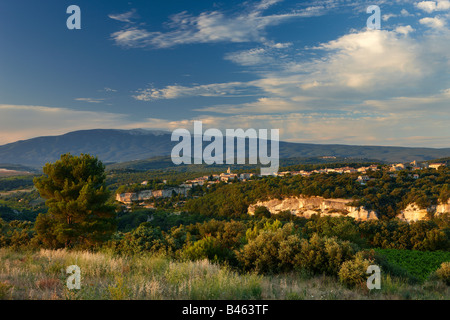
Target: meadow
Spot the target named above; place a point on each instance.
(40, 275)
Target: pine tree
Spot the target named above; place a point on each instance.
(76, 194)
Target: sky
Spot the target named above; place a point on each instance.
(312, 69)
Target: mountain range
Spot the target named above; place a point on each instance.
(115, 146)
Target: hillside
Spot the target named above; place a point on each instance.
(115, 146)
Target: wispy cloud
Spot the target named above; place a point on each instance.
(124, 17)
(106, 89)
(358, 88)
(268, 53)
(212, 26)
(91, 100)
(208, 90)
(337, 127)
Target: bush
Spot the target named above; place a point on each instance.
(443, 272)
(262, 212)
(353, 272)
(271, 250)
(207, 248)
(284, 250)
(321, 255)
(344, 228)
(144, 238)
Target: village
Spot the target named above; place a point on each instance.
(229, 177)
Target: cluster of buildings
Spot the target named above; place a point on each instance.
(183, 188)
(230, 177)
(330, 170)
(363, 178)
(217, 178)
(416, 166)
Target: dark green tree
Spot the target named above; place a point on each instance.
(77, 198)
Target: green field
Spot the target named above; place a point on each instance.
(419, 264)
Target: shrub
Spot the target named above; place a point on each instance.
(283, 250)
(144, 238)
(353, 272)
(262, 211)
(443, 272)
(270, 251)
(323, 255)
(344, 228)
(207, 248)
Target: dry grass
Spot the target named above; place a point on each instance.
(41, 275)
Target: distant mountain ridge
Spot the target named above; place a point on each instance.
(115, 145)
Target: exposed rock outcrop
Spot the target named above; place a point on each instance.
(307, 206)
(443, 208)
(143, 195)
(414, 213)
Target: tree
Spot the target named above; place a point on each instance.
(262, 211)
(76, 194)
(144, 238)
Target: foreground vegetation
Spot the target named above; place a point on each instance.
(41, 275)
(215, 250)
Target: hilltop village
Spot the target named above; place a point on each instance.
(142, 196)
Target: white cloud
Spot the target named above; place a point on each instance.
(262, 106)
(405, 13)
(280, 45)
(213, 26)
(106, 89)
(269, 53)
(346, 128)
(177, 91)
(404, 29)
(435, 23)
(123, 17)
(331, 93)
(368, 60)
(339, 92)
(431, 6)
(251, 57)
(91, 100)
(386, 17)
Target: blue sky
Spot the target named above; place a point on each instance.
(309, 68)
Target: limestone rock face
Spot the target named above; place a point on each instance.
(307, 206)
(443, 208)
(143, 195)
(413, 213)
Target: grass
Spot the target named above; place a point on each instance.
(41, 275)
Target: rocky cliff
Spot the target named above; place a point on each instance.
(414, 213)
(307, 206)
(143, 195)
